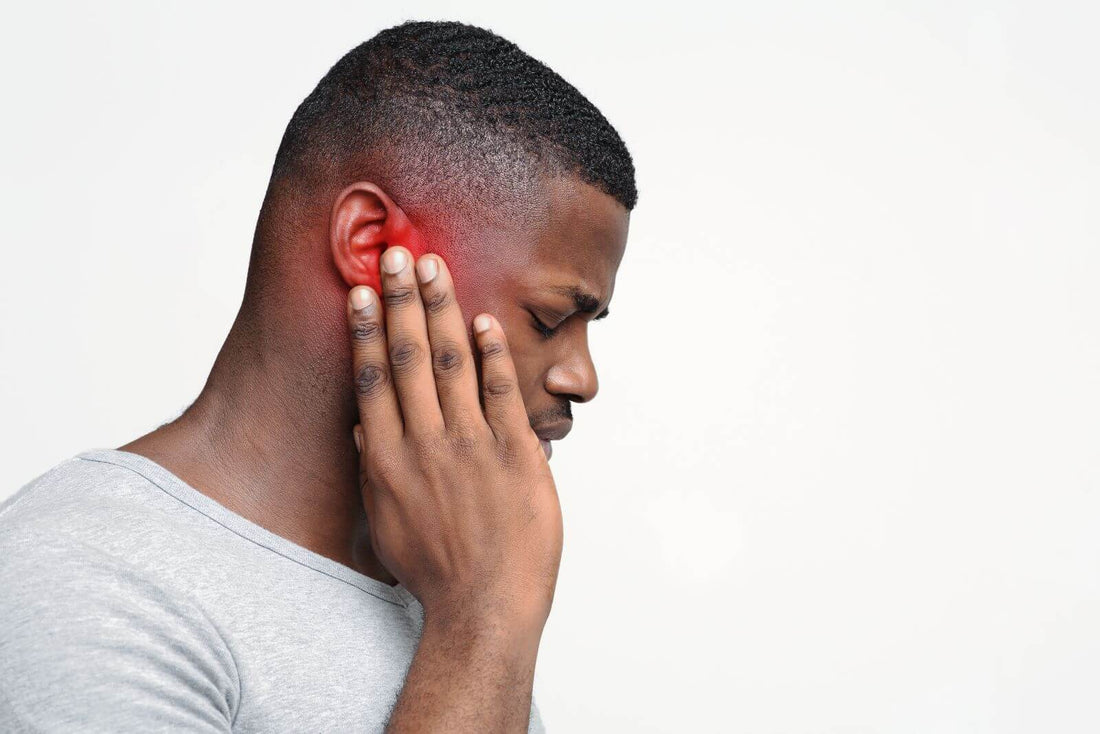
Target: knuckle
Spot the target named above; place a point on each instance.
(399, 296)
(370, 379)
(447, 359)
(493, 350)
(497, 388)
(437, 301)
(406, 355)
(465, 444)
(366, 331)
(425, 445)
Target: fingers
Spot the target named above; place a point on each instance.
(378, 407)
(407, 340)
(504, 409)
(452, 359)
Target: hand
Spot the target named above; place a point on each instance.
(461, 503)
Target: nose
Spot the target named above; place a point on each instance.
(574, 377)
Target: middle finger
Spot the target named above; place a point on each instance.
(407, 337)
(452, 358)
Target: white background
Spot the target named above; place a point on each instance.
(843, 474)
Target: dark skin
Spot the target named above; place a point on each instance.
(461, 503)
(270, 436)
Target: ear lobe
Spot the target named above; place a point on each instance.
(365, 221)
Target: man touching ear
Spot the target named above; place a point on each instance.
(277, 559)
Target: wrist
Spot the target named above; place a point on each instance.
(486, 624)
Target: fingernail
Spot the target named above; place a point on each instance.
(482, 324)
(393, 261)
(427, 269)
(358, 441)
(361, 297)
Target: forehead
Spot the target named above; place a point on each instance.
(580, 240)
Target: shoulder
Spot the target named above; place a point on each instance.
(79, 536)
(84, 628)
(72, 494)
(87, 637)
(95, 531)
(91, 506)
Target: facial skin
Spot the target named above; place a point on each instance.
(544, 283)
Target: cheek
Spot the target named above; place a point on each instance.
(483, 288)
(471, 302)
(526, 372)
(530, 385)
(475, 290)
(531, 357)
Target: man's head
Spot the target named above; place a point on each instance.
(446, 138)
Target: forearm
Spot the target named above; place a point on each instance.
(469, 677)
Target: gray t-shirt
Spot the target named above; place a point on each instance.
(132, 602)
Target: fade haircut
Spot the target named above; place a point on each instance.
(445, 116)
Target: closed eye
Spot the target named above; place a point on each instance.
(540, 327)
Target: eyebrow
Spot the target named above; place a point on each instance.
(582, 301)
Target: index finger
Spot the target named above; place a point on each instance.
(378, 409)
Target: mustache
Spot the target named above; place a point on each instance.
(552, 415)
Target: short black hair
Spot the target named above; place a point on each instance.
(445, 109)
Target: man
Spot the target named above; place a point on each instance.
(353, 527)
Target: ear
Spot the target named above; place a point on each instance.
(365, 221)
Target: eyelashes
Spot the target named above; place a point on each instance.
(540, 327)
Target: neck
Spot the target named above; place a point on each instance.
(270, 438)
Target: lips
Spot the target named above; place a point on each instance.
(552, 432)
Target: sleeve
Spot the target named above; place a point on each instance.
(91, 644)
